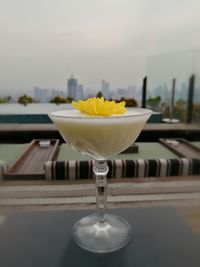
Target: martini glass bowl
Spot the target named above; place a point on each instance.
(101, 137)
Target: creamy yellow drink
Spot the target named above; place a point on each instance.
(100, 129)
(100, 136)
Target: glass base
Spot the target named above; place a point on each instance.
(102, 237)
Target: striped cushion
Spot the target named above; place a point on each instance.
(71, 170)
(3, 169)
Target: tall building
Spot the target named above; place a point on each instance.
(55, 92)
(122, 92)
(72, 86)
(41, 95)
(105, 88)
(79, 92)
(132, 91)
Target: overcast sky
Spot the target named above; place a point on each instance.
(43, 42)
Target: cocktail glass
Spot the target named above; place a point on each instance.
(100, 138)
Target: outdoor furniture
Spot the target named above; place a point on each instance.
(74, 169)
(3, 168)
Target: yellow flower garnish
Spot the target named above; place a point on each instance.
(100, 107)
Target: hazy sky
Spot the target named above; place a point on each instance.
(43, 42)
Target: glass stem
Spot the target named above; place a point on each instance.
(100, 170)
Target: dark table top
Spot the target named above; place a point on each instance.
(161, 238)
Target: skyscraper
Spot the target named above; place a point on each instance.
(105, 88)
(41, 95)
(72, 85)
(79, 92)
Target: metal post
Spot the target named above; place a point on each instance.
(172, 99)
(144, 92)
(190, 99)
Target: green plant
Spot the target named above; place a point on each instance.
(154, 102)
(58, 100)
(24, 100)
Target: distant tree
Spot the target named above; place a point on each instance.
(196, 112)
(6, 99)
(99, 94)
(69, 99)
(166, 110)
(58, 100)
(24, 100)
(131, 102)
(154, 102)
(180, 104)
(180, 110)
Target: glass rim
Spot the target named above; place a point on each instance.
(143, 111)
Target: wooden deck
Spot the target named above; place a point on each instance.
(23, 196)
(30, 164)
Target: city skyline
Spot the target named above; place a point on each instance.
(78, 91)
(163, 90)
(43, 42)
